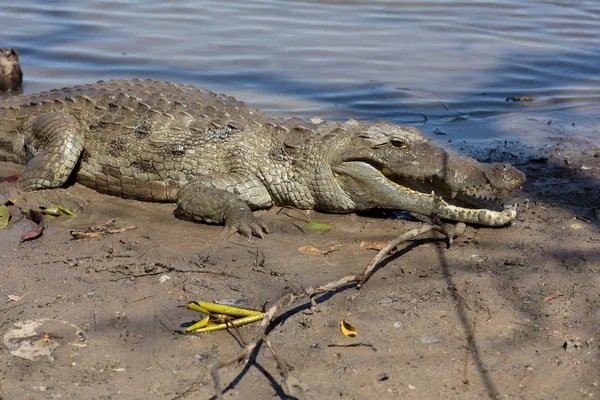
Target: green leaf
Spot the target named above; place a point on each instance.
(52, 210)
(315, 226)
(66, 211)
(4, 217)
(56, 210)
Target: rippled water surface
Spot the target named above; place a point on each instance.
(418, 62)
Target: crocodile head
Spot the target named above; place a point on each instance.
(395, 166)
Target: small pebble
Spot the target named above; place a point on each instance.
(204, 356)
(344, 370)
(568, 345)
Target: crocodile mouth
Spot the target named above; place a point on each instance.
(371, 187)
(473, 197)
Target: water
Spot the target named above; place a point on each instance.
(423, 63)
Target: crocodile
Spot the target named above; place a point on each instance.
(219, 159)
(11, 76)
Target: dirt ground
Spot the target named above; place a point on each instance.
(503, 313)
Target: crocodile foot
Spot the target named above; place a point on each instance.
(246, 225)
(209, 204)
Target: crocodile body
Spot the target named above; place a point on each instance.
(219, 159)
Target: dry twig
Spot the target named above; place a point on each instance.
(108, 228)
(451, 231)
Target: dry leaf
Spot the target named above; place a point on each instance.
(552, 296)
(111, 227)
(310, 250)
(373, 246)
(331, 249)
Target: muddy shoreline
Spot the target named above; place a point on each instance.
(505, 313)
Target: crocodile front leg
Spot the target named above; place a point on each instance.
(226, 199)
(55, 142)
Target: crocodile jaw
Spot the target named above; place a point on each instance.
(480, 216)
(483, 196)
(369, 188)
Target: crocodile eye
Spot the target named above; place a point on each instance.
(398, 143)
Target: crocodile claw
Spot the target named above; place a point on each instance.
(255, 227)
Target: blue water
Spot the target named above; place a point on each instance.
(416, 62)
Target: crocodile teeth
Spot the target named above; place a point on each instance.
(454, 193)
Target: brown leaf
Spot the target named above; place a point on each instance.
(310, 250)
(552, 296)
(373, 246)
(14, 297)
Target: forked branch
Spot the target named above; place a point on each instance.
(451, 231)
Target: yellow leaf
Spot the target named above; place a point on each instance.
(200, 324)
(219, 316)
(347, 328)
(575, 226)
